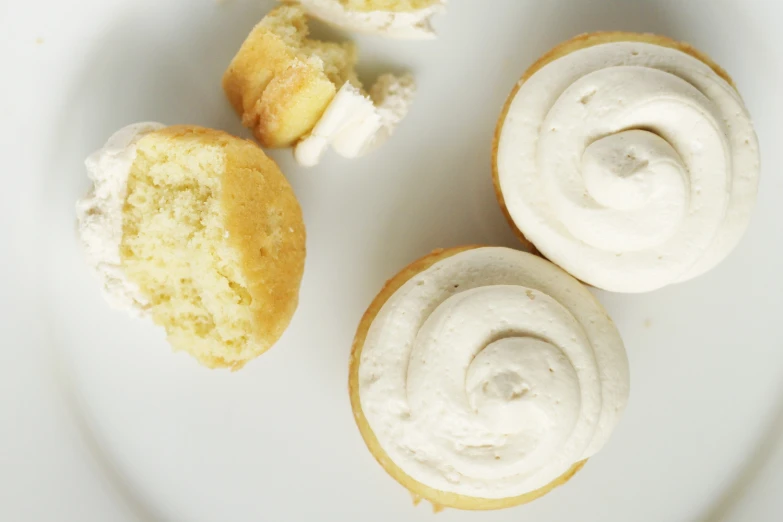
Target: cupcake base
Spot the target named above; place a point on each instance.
(439, 499)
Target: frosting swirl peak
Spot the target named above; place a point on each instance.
(491, 373)
(631, 165)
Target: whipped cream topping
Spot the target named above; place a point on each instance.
(414, 25)
(631, 165)
(353, 123)
(99, 215)
(491, 373)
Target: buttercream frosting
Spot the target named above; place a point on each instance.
(413, 24)
(631, 165)
(491, 373)
(99, 215)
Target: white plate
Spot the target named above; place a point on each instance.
(101, 421)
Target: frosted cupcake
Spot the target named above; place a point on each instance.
(404, 19)
(483, 378)
(628, 159)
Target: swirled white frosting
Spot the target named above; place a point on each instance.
(413, 25)
(491, 373)
(99, 215)
(631, 165)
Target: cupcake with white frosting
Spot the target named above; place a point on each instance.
(627, 159)
(403, 19)
(484, 377)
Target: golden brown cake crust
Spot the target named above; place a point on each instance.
(264, 223)
(277, 94)
(439, 499)
(574, 44)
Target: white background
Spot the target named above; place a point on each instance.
(99, 420)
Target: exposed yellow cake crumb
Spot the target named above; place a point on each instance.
(280, 82)
(213, 236)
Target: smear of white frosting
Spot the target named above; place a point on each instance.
(354, 123)
(633, 166)
(99, 215)
(491, 373)
(395, 24)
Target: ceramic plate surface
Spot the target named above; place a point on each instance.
(100, 421)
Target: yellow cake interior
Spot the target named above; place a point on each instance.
(291, 26)
(281, 81)
(174, 247)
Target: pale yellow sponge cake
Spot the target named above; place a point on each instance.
(484, 377)
(210, 242)
(293, 91)
(280, 82)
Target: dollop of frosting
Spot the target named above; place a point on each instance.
(354, 123)
(631, 165)
(407, 24)
(99, 215)
(492, 373)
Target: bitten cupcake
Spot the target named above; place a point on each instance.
(293, 91)
(483, 377)
(199, 231)
(627, 159)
